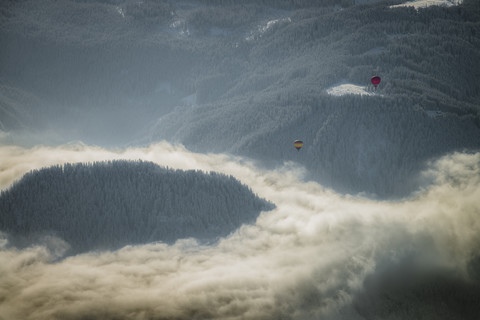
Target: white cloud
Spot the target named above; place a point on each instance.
(306, 259)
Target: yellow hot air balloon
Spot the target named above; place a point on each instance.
(298, 144)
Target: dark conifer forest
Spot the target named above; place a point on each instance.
(108, 205)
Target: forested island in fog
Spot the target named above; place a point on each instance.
(108, 205)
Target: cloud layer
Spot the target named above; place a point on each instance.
(317, 255)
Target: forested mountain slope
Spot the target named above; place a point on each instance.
(427, 105)
(250, 77)
(107, 205)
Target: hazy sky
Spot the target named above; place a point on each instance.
(311, 257)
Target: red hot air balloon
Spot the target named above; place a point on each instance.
(376, 81)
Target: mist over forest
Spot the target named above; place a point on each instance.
(147, 166)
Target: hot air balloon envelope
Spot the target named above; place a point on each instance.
(298, 144)
(376, 81)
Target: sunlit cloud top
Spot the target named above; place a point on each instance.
(317, 255)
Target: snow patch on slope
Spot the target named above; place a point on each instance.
(427, 3)
(120, 11)
(348, 88)
(265, 27)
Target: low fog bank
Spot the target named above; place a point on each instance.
(318, 255)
